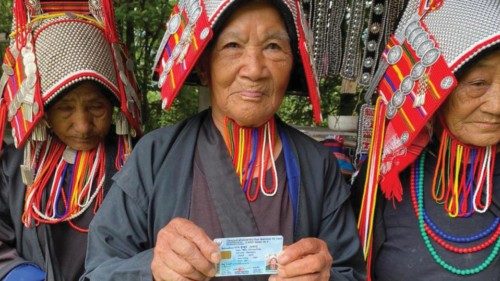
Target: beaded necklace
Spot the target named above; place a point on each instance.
(251, 149)
(463, 176)
(417, 188)
(77, 181)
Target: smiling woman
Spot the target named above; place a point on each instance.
(235, 169)
(472, 112)
(249, 67)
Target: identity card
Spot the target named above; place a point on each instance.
(253, 255)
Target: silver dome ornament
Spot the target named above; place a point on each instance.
(398, 99)
(417, 71)
(204, 33)
(173, 24)
(447, 82)
(406, 85)
(430, 57)
(394, 54)
(391, 111)
(424, 47)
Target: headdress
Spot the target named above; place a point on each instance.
(433, 42)
(54, 45)
(190, 29)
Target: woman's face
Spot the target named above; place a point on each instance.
(472, 111)
(82, 117)
(249, 65)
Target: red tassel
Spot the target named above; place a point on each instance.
(20, 21)
(390, 183)
(391, 186)
(109, 21)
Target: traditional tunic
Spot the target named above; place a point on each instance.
(399, 252)
(156, 185)
(58, 249)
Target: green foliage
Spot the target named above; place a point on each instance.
(5, 22)
(184, 106)
(298, 111)
(141, 26)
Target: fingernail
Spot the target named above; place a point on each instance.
(272, 278)
(212, 272)
(215, 257)
(282, 258)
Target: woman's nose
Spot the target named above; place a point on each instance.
(253, 64)
(82, 122)
(492, 104)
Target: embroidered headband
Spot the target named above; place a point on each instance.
(54, 46)
(191, 27)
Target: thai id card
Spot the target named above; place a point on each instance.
(253, 255)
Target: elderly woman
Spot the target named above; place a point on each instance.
(234, 170)
(59, 92)
(436, 138)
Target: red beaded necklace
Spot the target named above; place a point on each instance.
(417, 189)
(436, 237)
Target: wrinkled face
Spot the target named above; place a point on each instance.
(250, 65)
(472, 112)
(82, 117)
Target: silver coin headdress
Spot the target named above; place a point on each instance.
(54, 45)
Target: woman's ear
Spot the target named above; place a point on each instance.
(202, 70)
(203, 75)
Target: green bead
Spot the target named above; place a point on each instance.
(428, 244)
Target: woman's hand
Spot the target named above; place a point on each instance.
(183, 251)
(307, 259)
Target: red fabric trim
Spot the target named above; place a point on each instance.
(469, 54)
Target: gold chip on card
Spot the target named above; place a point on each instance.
(225, 255)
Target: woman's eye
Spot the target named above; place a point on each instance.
(65, 108)
(274, 46)
(231, 45)
(96, 106)
(478, 83)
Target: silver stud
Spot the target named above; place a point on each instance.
(391, 111)
(174, 23)
(430, 57)
(406, 85)
(398, 99)
(412, 25)
(447, 82)
(394, 54)
(424, 47)
(204, 33)
(417, 71)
